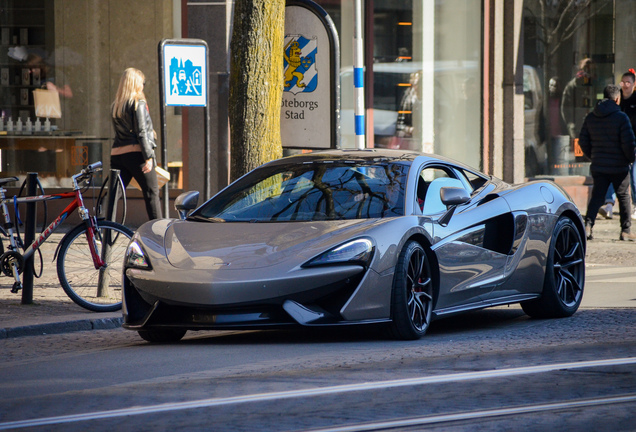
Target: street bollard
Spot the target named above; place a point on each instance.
(29, 236)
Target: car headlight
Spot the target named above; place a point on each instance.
(136, 257)
(357, 251)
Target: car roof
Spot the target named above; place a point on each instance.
(368, 155)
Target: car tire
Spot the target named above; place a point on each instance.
(412, 294)
(162, 336)
(564, 274)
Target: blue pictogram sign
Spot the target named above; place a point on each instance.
(186, 78)
(185, 75)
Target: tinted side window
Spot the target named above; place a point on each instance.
(430, 182)
(475, 181)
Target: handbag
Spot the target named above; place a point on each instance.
(163, 177)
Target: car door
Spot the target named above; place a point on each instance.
(470, 249)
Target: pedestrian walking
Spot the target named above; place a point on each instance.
(628, 106)
(133, 152)
(607, 138)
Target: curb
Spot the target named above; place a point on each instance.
(61, 327)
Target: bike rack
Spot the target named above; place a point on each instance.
(29, 237)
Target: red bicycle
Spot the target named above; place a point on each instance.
(89, 257)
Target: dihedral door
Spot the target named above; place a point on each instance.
(472, 250)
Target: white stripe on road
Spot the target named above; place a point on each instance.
(472, 415)
(610, 271)
(320, 391)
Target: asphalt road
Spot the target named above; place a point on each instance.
(240, 381)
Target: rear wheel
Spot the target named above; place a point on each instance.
(412, 295)
(98, 290)
(162, 336)
(564, 275)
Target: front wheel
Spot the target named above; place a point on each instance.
(98, 290)
(412, 295)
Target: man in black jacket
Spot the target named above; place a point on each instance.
(607, 139)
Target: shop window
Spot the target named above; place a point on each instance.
(564, 77)
(77, 51)
(426, 79)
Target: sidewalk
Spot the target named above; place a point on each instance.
(610, 283)
(52, 311)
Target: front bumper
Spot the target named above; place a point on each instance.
(315, 298)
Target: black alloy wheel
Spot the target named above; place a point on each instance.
(412, 296)
(564, 277)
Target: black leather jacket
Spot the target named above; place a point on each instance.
(135, 127)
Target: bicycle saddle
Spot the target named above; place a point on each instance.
(6, 180)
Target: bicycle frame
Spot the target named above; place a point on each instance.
(76, 204)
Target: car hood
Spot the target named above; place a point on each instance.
(241, 246)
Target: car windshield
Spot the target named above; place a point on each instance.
(321, 190)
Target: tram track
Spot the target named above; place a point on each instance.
(442, 419)
(342, 390)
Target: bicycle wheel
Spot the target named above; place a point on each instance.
(94, 289)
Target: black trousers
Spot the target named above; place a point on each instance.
(620, 181)
(129, 165)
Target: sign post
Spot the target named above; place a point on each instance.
(358, 76)
(310, 111)
(183, 79)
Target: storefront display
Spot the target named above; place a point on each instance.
(574, 64)
(60, 61)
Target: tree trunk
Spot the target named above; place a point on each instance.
(256, 83)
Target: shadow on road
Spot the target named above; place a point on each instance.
(470, 322)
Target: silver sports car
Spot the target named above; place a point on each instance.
(354, 237)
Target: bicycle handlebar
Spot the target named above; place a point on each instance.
(86, 172)
(97, 166)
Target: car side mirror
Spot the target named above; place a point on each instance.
(451, 197)
(186, 202)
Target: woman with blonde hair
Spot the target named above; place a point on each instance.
(133, 152)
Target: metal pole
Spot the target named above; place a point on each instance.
(103, 280)
(29, 236)
(358, 76)
(111, 212)
(206, 128)
(206, 152)
(164, 129)
(113, 195)
(223, 135)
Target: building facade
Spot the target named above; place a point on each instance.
(465, 79)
